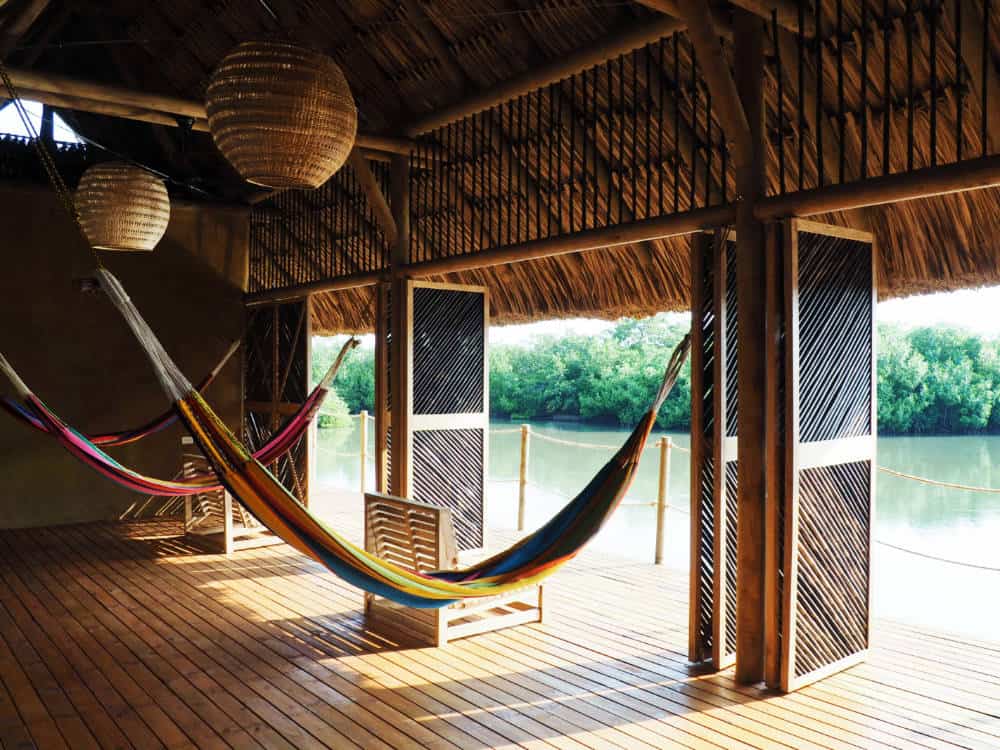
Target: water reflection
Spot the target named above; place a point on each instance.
(943, 522)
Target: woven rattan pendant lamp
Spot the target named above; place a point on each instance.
(122, 207)
(281, 114)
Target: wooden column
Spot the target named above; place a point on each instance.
(752, 377)
(401, 450)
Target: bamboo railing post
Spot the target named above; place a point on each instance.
(662, 498)
(364, 447)
(522, 478)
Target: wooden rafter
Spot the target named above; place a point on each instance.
(519, 173)
(687, 140)
(625, 40)
(16, 27)
(120, 101)
(60, 17)
(593, 155)
(349, 56)
(373, 192)
(705, 38)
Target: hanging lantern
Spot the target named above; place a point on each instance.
(122, 207)
(281, 114)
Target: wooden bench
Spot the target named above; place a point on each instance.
(421, 537)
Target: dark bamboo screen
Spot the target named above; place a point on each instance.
(713, 543)
(449, 403)
(830, 451)
(702, 596)
(276, 382)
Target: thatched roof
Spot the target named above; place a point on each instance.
(407, 59)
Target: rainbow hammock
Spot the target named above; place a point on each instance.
(37, 414)
(529, 561)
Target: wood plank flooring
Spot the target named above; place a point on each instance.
(119, 636)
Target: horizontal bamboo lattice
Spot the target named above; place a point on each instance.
(905, 86)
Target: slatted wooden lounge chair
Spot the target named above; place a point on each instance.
(421, 537)
(214, 516)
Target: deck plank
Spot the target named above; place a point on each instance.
(108, 639)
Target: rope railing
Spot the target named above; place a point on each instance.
(665, 445)
(683, 449)
(939, 483)
(950, 561)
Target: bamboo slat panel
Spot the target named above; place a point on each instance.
(824, 579)
(448, 391)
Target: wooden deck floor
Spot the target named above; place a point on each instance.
(109, 641)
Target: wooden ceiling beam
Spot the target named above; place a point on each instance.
(102, 92)
(929, 182)
(55, 25)
(162, 109)
(110, 109)
(626, 40)
(711, 56)
(19, 25)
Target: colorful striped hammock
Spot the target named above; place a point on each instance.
(529, 561)
(86, 450)
(119, 437)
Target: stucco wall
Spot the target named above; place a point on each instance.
(75, 352)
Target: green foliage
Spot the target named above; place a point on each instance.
(937, 380)
(930, 380)
(355, 383)
(611, 377)
(334, 412)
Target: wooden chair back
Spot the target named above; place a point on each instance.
(417, 536)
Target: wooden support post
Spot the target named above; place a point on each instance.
(751, 363)
(774, 497)
(364, 449)
(399, 179)
(522, 479)
(662, 498)
(383, 422)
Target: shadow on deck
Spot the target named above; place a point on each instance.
(117, 637)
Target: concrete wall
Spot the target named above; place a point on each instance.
(74, 350)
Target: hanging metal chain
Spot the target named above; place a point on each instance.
(56, 180)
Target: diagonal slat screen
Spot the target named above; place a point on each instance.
(829, 411)
(449, 403)
(713, 429)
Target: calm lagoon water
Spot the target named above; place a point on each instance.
(938, 521)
